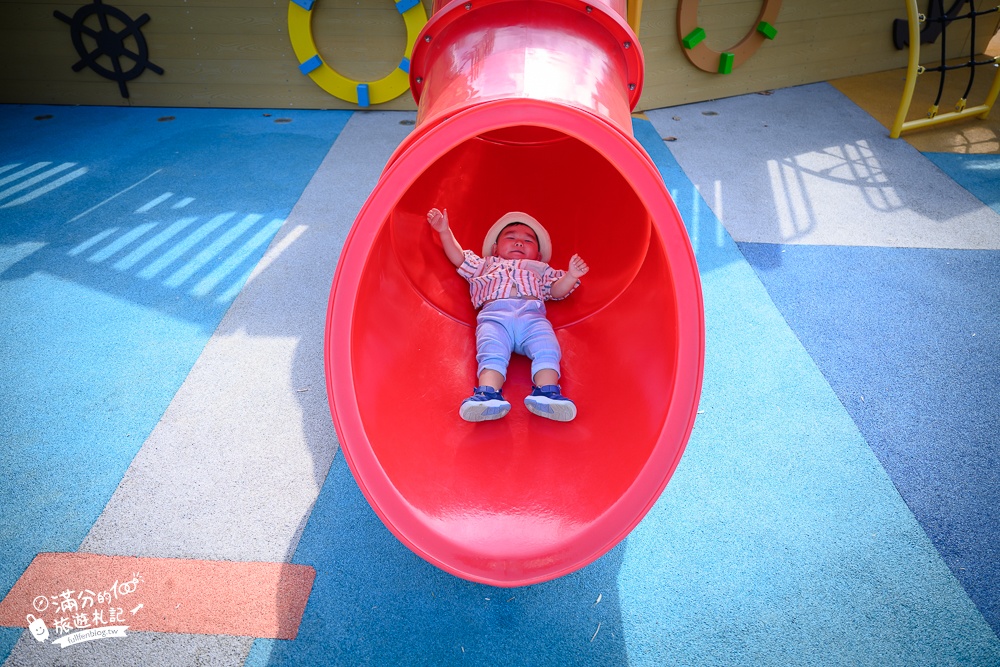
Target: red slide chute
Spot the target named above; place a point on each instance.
(522, 105)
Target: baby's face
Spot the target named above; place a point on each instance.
(517, 241)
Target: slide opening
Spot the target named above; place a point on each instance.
(518, 497)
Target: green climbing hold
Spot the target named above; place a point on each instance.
(726, 62)
(767, 29)
(693, 38)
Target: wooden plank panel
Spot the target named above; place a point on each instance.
(176, 17)
(57, 68)
(139, 6)
(828, 40)
(239, 54)
(243, 96)
(211, 47)
(364, 44)
(105, 93)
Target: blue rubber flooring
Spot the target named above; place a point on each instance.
(979, 174)
(125, 234)
(780, 540)
(910, 341)
(833, 506)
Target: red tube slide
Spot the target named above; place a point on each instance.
(523, 105)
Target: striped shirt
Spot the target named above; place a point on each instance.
(494, 278)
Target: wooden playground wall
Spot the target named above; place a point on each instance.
(237, 53)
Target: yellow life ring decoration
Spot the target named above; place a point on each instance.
(338, 85)
(722, 62)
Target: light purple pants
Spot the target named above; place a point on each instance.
(515, 325)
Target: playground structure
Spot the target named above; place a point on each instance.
(140, 428)
(914, 69)
(248, 55)
(521, 106)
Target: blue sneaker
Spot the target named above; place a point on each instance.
(549, 403)
(485, 404)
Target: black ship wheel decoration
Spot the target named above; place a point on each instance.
(114, 37)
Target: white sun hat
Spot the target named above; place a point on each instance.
(544, 242)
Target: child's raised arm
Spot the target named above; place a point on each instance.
(577, 268)
(439, 223)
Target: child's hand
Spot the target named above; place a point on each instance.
(577, 267)
(438, 220)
